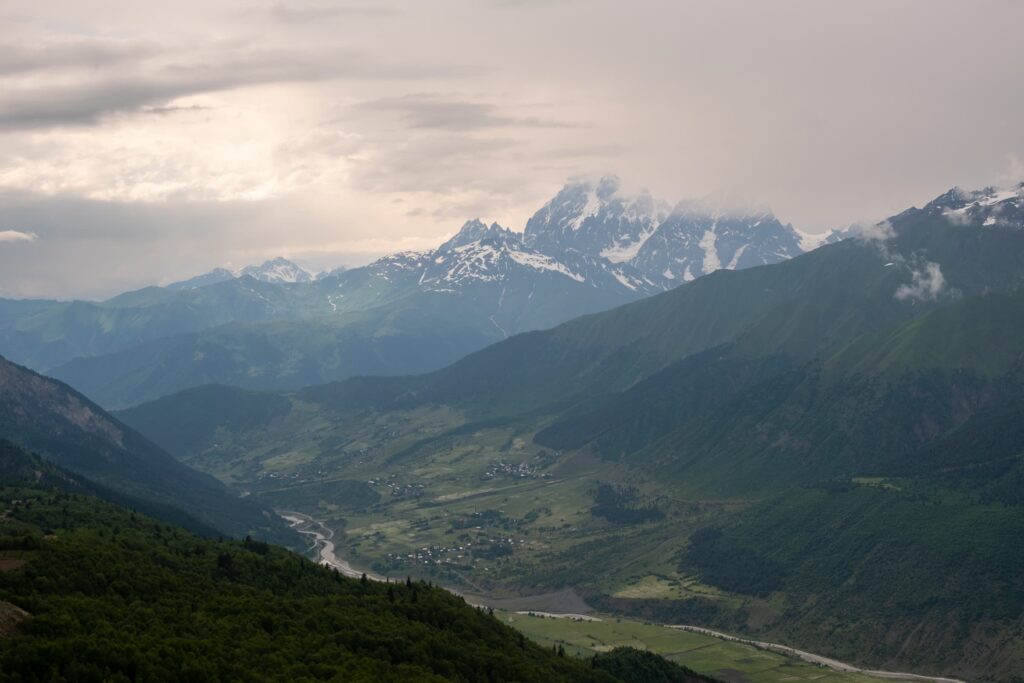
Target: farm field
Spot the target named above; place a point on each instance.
(734, 662)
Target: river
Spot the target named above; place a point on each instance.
(324, 545)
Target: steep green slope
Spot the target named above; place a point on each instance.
(22, 468)
(862, 410)
(203, 413)
(898, 573)
(980, 334)
(115, 596)
(60, 424)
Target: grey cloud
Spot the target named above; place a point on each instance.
(92, 99)
(17, 236)
(437, 164)
(927, 284)
(95, 249)
(87, 104)
(75, 53)
(440, 112)
(163, 111)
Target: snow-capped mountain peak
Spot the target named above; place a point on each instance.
(474, 231)
(211, 278)
(597, 219)
(989, 207)
(277, 270)
(699, 237)
(486, 253)
(591, 233)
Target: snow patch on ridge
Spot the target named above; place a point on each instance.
(591, 208)
(707, 243)
(541, 262)
(620, 253)
(811, 241)
(623, 280)
(736, 257)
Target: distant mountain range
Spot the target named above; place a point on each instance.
(275, 325)
(277, 270)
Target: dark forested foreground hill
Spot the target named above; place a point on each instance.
(103, 593)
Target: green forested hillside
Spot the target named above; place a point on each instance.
(898, 572)
(23, 468)
(871, 409)
(982, 334)
(639, 666)
(113, 595)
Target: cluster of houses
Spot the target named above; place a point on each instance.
(523, 470)
(457, 556)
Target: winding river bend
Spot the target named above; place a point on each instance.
(324, 545)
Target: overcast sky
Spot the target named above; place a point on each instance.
(143, 142)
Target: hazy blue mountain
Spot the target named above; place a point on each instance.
(53, 334)
(211, 278)
(277, 270)
(404, 314)
(13, 309)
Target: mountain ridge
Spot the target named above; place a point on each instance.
(45, 416)
(404, 313)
